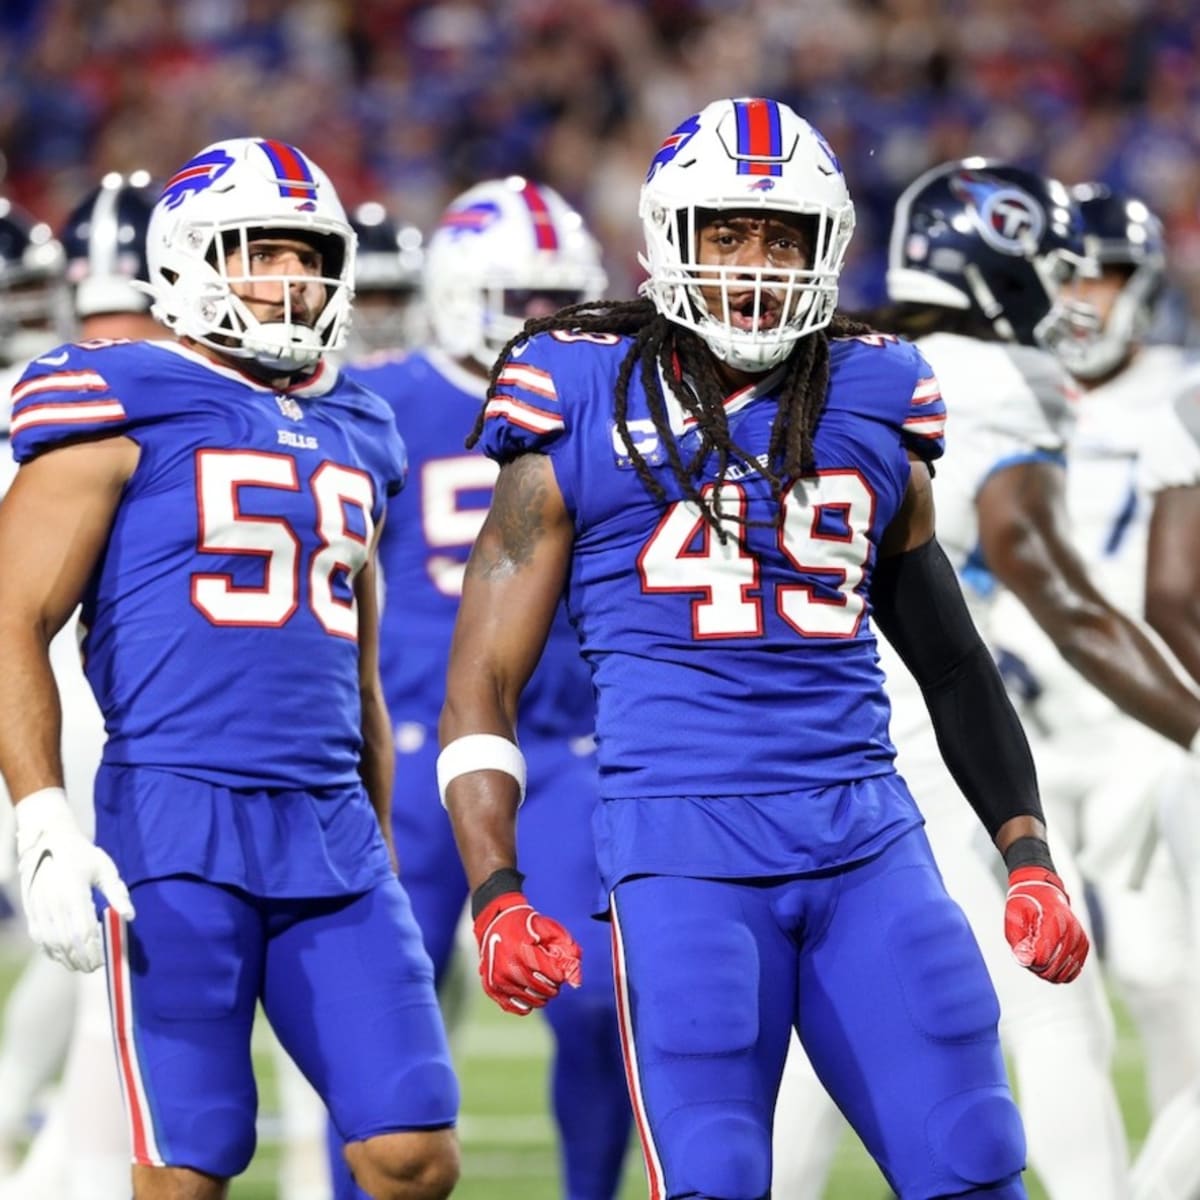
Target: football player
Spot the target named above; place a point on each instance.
(504, 251)
(81, 1150)
(1094, 762)
(214, 501)
(733, 485)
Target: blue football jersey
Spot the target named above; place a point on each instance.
(423, 551)
(737, 669)
(221, 624)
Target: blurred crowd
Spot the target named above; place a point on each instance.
(408, 102)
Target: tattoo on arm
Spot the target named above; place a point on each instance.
(517, 518)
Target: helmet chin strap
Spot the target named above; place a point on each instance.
(753, 357)
(282, 346)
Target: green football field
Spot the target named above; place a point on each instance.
(508, 1151)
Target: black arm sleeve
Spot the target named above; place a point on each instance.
(919, 607)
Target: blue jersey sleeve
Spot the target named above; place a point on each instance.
(72, 392)
(888, 380)
(525, 411)
(924, 427)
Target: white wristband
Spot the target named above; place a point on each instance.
(480, 752)
(41, 808)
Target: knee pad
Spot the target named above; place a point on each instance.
(704, 1000)
(947, 990)
(978, 1138)
(722, 1156)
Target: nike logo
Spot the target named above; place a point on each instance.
(45, 855)
(518, 349)
(56, 360)
(492, 943)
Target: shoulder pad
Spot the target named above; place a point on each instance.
(67, 392)
(527, 409)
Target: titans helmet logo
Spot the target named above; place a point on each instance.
(1009, 219)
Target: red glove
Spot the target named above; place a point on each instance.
(523, 956)
(1045, 935)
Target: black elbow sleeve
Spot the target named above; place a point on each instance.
(919, 607)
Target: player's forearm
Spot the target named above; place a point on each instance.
(378, 762)
(30, 712)
(920, 608)
(1175, 617)
(1117, 658)
(482, 803)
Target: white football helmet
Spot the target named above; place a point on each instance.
(745, 155)
(222, 199)
(496, 246)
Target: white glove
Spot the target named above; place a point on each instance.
(58, 868)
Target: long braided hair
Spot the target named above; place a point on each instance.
(663, 350)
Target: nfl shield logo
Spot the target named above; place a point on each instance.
(289, 408)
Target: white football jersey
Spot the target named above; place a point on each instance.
(1004, 405)
(1171, 438)
(1108, 507)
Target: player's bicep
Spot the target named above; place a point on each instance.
(514, 580)
(54, 523)
(913, 524)
(1024, 533)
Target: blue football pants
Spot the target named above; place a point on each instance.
(878, 970)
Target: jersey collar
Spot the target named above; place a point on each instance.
(320, 383)
(682, 422)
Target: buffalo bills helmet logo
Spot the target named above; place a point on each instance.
(1009, 219)
(474, 218)
(762, 185)
(828, 149)
(673, 144)
(194, 176)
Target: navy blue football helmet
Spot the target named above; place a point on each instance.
(105, 242)
(992, 240)
(387, 281)
(1120, 233)
(32, 312)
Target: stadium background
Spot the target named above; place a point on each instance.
(408, 103)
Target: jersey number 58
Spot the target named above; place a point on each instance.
(226, 530)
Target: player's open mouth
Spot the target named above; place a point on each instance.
(741, 312)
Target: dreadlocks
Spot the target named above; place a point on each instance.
(662, 350)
